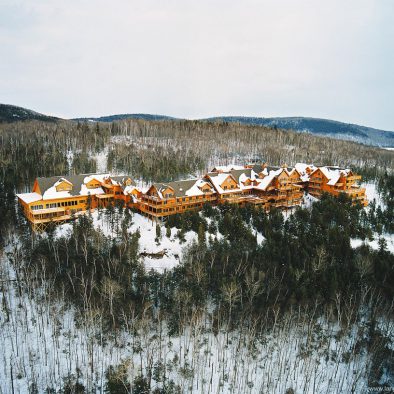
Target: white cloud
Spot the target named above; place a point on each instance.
(192, 59)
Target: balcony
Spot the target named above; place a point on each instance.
(353, 178)
(351, 191)
(55, 216)
(104, 196)
(48, 210)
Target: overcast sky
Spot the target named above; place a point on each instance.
(331, 59)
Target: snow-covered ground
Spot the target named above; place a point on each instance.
(372, 193)
(41, 344)
(101, 160)
(374, 244)
(172, 247)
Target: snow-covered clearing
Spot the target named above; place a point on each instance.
(372, 193)
(101, 160)
(172, 247)
(374, 244)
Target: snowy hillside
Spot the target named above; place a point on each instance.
(51, 350)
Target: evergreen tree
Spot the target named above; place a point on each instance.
(158, 232)
(201, 234)
(168, 231)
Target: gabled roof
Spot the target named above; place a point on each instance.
(303, 169)
(130, 188)
(48, 182)
(243, 175)
(29, 197)
(217, 180)
(48, 185)
(61, 180)
(332, 173)
(227, 168)
(186, 188)
(267, 180)
(121, 180)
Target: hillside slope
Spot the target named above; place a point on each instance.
(325, 127)
(112, 118)
(13, 113)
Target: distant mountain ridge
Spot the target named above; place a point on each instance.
(324, 127)
(112, 118)
(12, 113)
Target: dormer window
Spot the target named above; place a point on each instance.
(63, 185)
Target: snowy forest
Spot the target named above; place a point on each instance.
(226, 300)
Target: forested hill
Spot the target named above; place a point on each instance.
(12, 113)
(325, 127)
(112, 118)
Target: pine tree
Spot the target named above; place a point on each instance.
(201, 234)
(168, 231)
(158, 233)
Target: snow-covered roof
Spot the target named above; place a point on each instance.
(195, 190)
(29, 197)
(302, 170)
(61, 180)
(228, 168)
(98, 177)
(129, 189)
(333, 174)
(242, 176)
(85, 191)
(189, 187)
(52, 193)
(266, 181)
(217, 180)
(47, 186)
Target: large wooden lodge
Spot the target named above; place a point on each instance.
(61, 198)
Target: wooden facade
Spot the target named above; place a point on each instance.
(59, 199)
(322, 180)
